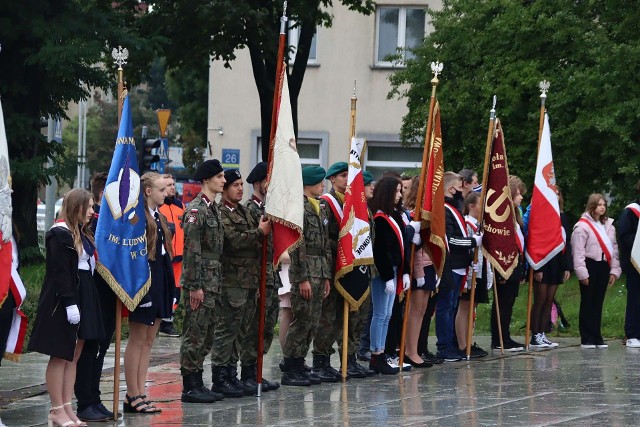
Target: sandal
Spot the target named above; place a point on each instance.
(53, 422)
(77, 421)
(149, 403)
(139, 408)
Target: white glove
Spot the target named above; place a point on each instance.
(420, 282)
(73, 314)
(416, 240)
(416, 226)
(146, 305)
(478, 239)
(477, 267)
(406, 282)
(390, 287)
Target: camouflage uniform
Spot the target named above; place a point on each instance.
(203, 236)
(236, 303)
(311, 261)
(272, 300)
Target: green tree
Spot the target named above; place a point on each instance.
(50, 52)
(201, 29)
(590, 52)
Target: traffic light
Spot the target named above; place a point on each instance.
(148, 159)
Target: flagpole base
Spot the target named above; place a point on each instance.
(259, 392)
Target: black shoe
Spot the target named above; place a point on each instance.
(354, 369)
(270, 385)
(431, 358)
(100, 407)
(93, 413)
(450, 355)
(477, 352)
(194, 391)
(290, 374)
(221, 383)
(323, 370)
(380, 365)
(421, 364)
(248, 379)
(167, 330)
(232, 376)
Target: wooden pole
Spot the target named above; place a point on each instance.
(436, 69)
(345, 310)
(277, 90)
(544, 86)
(120, 56)
(476, 252)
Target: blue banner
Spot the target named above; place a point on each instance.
(121, 231)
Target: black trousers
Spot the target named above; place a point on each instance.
(91, 360)
(394, 333)
(423, 338)
(591, 301)
(6, 319)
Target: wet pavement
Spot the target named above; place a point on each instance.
(565, 387)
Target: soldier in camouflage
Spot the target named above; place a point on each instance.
(309, 274)
(258, 179)
(201, 277)
(237, 301)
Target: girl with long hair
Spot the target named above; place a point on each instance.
(597, 266)
(144, 321)
(69, 309)
(391, 264)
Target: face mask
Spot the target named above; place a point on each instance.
(458, 196)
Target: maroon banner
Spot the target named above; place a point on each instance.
(499, 243)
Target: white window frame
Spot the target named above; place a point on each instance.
(304, 138)
(293, 37)
(402, 33)
(392, 142)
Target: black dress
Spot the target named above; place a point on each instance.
(162, 285)
(553, 271)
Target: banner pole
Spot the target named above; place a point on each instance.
(120, 57)
(262, 297)
(476, 251)
(544, 87)
(436, 69)
(345, 316)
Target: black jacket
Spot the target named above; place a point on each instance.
(387, 251)
(460, 255)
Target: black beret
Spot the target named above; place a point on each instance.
(208, 169)
(258, 173)
(231, 176)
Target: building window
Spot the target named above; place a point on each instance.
(312, 148)
(294, 36)
(381, 157)
(398, 28)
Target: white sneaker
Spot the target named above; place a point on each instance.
(394, 362)
(537, 343)
(550, 343)
(633, 343)
(602, 346)
(588, 346)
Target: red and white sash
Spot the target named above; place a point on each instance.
(459, 219)
(519, 238)
(18, 329)
(601, 236)
(335, 206)
(398, 232)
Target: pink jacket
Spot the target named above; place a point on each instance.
(585, 245)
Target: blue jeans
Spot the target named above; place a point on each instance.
(382, 307)
(446, 314)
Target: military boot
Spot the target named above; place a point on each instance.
(248, 379)
(313, 378)
(290, 374)
(192, 393)
(232, 376)
(354, 369)
(217, 396)
(323, 370)
(221, 383)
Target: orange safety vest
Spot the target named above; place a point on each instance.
(174, 215)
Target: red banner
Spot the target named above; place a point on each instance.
(499, 243)
(433, 204)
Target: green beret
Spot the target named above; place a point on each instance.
(311, 175)
(367, 177)
(208, 169)
(337, 168)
